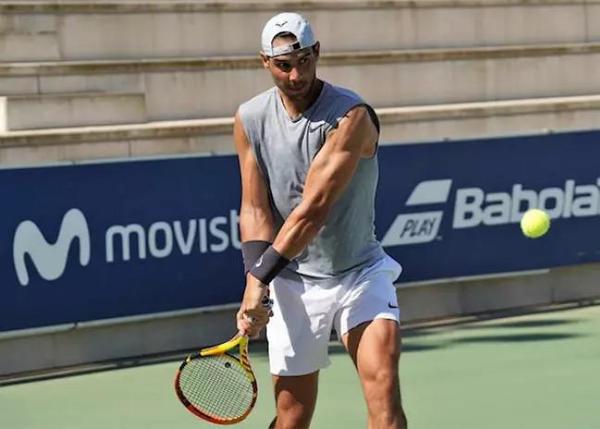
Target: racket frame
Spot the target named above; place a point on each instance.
(221, 349)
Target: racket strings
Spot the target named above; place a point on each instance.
(218, 386)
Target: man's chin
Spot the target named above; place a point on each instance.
(298, 92)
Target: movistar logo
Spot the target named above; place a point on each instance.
(122, 242)
(50, 259)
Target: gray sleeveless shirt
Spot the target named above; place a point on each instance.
(284, 149)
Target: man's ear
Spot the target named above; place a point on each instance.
(317, 49)
(265, 61)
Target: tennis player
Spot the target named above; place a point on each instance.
(308, 159)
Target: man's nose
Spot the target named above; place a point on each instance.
(294, 74)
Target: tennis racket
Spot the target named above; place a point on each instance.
(217, 386)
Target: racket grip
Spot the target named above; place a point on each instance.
(267, 302)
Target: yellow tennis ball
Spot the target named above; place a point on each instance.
(535, 223)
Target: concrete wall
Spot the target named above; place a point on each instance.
(214, 87)
(399, 125)
(28, 112)
(90, 342)
(110, 30)
(165, 52)
(95, 342)
(462, 297)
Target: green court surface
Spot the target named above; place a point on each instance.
(531, 371)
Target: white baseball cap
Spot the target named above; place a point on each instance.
(287, 23)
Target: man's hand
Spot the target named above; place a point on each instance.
(255, 310)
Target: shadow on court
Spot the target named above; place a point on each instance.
(531, 324)
(406, 347)
(417, 340)
(517, 338)
(429, 339)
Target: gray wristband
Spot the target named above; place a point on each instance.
(251, 251)
(269, 265)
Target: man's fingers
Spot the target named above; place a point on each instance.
(255, 317)
(258, 314)
(250, 321)
(254, 324)
(250, 330)
(243, 327)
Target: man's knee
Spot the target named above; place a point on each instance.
(292, 419)
(381, 377)
(381, 385)
(293, 415)
(384, 403)
(295, 397)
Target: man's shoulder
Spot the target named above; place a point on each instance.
(343, 93)
(341, 100)
(257, 103)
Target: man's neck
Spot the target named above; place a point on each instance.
(295, 107)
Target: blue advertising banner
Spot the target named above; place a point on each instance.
(96, 241)
(453, 209)
(106, 240)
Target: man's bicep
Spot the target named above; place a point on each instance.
(329, 174)
(333, 167)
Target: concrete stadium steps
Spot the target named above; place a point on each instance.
(399, 125)
(65, 31)
(26, 112)
(214, 87)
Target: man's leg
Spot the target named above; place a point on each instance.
(375, 349)
(295, 398)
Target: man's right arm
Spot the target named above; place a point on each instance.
(256, 217)
(256, 224)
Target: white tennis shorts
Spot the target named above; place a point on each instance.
(304, 312)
